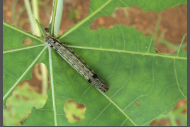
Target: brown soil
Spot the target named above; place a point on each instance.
(173, 22)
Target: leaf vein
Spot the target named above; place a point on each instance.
(177, 80)
(118, 107)
(131, 52)
(84, 20)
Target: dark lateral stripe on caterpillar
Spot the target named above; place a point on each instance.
(76, 63)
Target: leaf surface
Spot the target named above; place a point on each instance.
(123, 57)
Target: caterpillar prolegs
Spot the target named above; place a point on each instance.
(78, 64)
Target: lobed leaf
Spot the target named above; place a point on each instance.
(123, 57)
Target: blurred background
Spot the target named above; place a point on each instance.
(167, 28)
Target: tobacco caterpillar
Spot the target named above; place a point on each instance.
(78, 64)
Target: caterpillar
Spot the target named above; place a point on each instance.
(75, 61)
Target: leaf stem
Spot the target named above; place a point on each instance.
(36, 15)
(56, 16)
(30, 15)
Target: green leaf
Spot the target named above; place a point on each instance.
(123, 57)
(106, 7)
(20, 104)
(21, 57)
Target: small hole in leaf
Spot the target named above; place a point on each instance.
(137, 103)
(74, 111)
(27, 41)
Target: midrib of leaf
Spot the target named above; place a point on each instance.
(118, 108)
(31, 65)
(52, 86)
(131, 52)
(20, 49)
(84, 20)
(22, 31)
